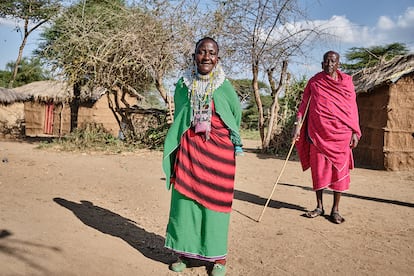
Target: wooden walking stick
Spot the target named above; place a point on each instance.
(284, 164)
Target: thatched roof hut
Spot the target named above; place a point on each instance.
(53, 110)
(11, 113)
(368, 79)
(57, 92)
(47, 112)
(385, 97)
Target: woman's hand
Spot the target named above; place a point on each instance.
(238, 151)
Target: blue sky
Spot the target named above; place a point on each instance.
(361, 23)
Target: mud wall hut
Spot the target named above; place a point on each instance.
(50, 111)
(11, 113)
(385, 98)
(47, 113)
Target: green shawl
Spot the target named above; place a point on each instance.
(227, 106)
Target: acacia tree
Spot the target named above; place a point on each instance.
(30, 70)
(121, 48)
(183, 21)
(263, 35)
(361, 58)
(33, 13)
(98, 44)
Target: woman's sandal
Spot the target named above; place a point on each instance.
(315, 213)
(336, 218)
(218, 270)
(178, 266)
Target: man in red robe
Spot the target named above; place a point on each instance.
(329, 132)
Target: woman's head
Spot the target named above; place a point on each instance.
(206, 55)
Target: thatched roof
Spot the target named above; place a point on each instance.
(45, 91)
(368, 79)
(57, 91)
(8, 96)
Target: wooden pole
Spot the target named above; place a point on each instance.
(277, 181)
(284, 164)
(170, 109)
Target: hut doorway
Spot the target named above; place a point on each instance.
(48, 124)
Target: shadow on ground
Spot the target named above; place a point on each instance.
(255, 199)
(18, 249)
(382, 200)
(149, 244)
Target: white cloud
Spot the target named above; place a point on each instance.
(340, 30)
(407, 19)
(385, 23)
(404, 21)
(344, 32)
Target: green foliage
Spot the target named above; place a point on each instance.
(290, 102)
(28, 71)
(34, 11)
(361, 58)
(5, 77)
(250, 134)
(74, 37)
(244, 88)
(154, 137)
(33, 14)
(287, 113)
(108, 44)
(250, 115)
(246, 94)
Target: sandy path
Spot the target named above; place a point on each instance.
(95, 214)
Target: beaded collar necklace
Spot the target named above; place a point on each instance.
(200, 92)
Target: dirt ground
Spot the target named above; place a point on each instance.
(94, 214)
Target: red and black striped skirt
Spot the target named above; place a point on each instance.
(205, 169)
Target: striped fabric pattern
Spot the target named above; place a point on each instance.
(205, 170)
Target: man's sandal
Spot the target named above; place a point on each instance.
(315, 213)
(336, 218)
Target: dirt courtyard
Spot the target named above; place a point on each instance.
(66, 214)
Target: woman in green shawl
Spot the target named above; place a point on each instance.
(199, 161)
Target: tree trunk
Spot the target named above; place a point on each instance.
(166, 97)
(272, 125)
(74, 106)
(255, 85)
(19, 56)
(26, 34)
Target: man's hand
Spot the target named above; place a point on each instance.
(296, 132)
(354, 141)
